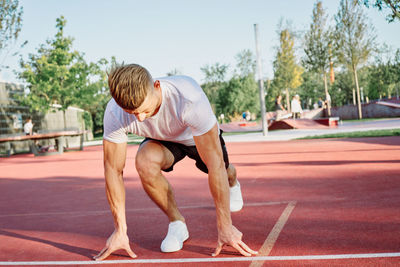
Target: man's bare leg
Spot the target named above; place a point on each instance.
(151, 158)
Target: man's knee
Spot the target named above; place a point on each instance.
(150, 160)
(147, 161)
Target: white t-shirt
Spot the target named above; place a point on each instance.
(296, 107)
(184, 112)
(28, 127)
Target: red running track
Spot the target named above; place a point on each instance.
(337, 198)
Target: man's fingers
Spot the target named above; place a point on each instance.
(101, 252)
(218, 249)
(245, 247)
(107, 252)
(130, 252)
(242, 251)
(104, 255)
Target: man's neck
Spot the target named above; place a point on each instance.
(159, 101)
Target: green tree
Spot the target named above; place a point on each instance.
(342, 89)
(393, 5)
(396, 67)
(317, 42)
(287, 73)
(95, 96)
(215, 73)
(238, 95)
(311, 88)
(174, 72)
(10, 26)
(56, 74)
(354, 40)
(215, 76)
(384, 74)
(246, 63)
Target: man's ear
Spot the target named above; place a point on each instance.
(157, 84)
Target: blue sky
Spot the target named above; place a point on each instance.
(174, 34)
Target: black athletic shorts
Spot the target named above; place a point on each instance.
(180, 151)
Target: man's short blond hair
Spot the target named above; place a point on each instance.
(129, 85)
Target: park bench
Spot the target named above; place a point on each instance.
(59, 137)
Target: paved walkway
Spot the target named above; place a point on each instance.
(285, 135)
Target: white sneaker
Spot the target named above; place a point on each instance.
(177, 234)
(236, 199)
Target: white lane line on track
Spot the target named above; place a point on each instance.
(99, 212)
(192, 260)
(273, 235)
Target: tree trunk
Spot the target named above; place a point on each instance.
(65, 127)
(358, 93)
(327, 96)
(289, 108)
(65, 120)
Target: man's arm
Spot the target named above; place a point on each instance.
(209, 148)
(114, 162)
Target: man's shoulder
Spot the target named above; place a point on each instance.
(112, 106)
(183, 87)
(113, 110)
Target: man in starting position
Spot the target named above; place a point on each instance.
(175, 116)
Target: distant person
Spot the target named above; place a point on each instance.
(328, 100)
(175, 116)
(28, 130)
(248, 116)
(296, 107)
(280, 110)
(222, 117)
(28, 126)
(320, 103)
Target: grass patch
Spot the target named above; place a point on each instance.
(360, 134)
(99, 137)
(367, 119)
(237, 133)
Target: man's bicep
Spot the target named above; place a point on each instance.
(114, 130)
(114, 155)
(199, 116)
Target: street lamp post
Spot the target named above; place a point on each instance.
(260, 83)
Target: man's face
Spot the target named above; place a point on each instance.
(144, 111)
(148, 107)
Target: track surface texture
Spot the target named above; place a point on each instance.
(327, 202)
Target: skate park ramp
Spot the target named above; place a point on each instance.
(296, 124)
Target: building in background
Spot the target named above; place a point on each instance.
(13, 116)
